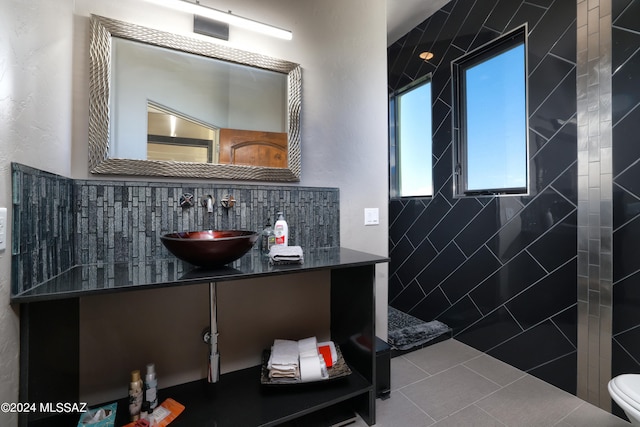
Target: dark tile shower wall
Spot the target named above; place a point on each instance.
(626, 186)
(60, 222)
(502, 271)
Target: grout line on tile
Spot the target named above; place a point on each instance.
(415, 382)
(497, 420)
(494, 392)
(419, 408)
(570, 412)
(408, 360)
(464, 407)
(476, 357)
(410, 384)
(522, 375)
(448, 369)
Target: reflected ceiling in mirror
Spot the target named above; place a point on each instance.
(172, 136)
(251, 132)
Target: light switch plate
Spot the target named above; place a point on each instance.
(3, 229)
(371, 216)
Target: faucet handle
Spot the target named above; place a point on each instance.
(227, 201)
(186, 200)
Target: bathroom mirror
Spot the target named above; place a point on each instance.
(238, 112)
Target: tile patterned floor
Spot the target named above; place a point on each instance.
(450, 384)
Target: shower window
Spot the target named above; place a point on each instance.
(410, 140)
(490, 118)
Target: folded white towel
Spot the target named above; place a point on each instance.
(280, 254)
(284, 373)
(297, 361)
(284, 362)
(284, 353)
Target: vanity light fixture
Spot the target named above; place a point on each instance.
(227, 17)
(426, 56)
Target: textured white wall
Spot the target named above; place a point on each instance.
(341, 46)
(35, 128)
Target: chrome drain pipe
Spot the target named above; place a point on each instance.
(213, 375)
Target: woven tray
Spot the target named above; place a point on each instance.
(339, 369)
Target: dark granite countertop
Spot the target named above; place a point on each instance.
(94, 279)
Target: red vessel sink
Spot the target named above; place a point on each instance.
(209, 248)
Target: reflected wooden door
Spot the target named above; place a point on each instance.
(255, 148)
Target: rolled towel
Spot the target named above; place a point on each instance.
(310, 368)
(280, 254)
(308, 347)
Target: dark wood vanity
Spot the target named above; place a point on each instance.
(49, 342)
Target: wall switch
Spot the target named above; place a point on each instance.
(3, 229)
(371, 216)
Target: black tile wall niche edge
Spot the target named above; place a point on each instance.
(60, 222)
(506, 257)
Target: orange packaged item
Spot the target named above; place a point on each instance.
(328, 351)
(162, 415)
(325, 351)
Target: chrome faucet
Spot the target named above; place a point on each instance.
(208, 202)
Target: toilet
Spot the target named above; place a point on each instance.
(625, 391)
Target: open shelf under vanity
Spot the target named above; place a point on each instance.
(49, 369)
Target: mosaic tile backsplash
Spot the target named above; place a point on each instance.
(60, 222)
(43, 242)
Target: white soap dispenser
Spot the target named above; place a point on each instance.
(281, 230)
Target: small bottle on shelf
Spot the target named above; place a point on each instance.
(268, 238)
(135, 395)
(151, 386)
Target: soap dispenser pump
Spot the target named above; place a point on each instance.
(281, 230)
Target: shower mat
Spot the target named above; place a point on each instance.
(406, 331)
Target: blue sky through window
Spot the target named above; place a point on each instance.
(414, 141)
(496, 122)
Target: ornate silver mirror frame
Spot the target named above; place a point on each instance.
(103, 29)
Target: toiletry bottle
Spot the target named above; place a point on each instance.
(151, 386)
(135, 395)
(144, 411)
(268, 238)
(281, 230)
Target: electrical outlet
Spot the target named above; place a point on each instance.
(371, 216)
(3, 229)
